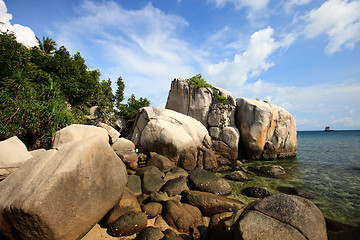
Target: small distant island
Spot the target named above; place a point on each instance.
(327, 129)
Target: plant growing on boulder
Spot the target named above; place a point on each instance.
(199, 81)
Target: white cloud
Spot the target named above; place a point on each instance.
(253, 61)
(23, 34)
(290, 4)
(314, 106)
(254, 6)
(339, 20)
(142, 45)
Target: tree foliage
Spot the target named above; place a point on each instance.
(32, 107)
(129, 110)
(47, 46)
(43, 90)
(106, 100)
(119, 95)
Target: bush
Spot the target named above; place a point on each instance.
(129, 110)
(199, 81)
(30, 112)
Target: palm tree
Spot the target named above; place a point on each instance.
(47, 46)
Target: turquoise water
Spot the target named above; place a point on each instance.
(325, 171)
(329, 170)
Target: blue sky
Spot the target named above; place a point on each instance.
(303, 55)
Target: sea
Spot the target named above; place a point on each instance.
(326, 171)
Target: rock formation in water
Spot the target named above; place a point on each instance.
(218, 118)
(257, 129)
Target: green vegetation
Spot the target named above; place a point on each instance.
(44, 89)
(199, 81)
(263, 100)
(129, 110)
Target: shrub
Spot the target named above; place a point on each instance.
(199, 81)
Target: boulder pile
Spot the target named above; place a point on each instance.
(159, 182)
(91, 185)
(241, 128)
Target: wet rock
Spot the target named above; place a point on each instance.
(239, 176)
(256, 192)
(281, 216)
(152, 209)
(150, 233)
(270, 170)
(175, 186)
(128, 224)
(210, 204)
(176, 172)
(209, 182)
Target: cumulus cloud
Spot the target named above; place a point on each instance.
(249, 64)
(23, 34)
(339, 20)
(306, 101)
(142, 45)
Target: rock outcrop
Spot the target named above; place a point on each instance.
(13, 153)
(189, 100)
(218, 118)
(61, 194)
(182, 139)
(281, 216)
(258, 130)
(77, 132)
(267, 131)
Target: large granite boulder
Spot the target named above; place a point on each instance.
(198, 102)
(281, 216)
(62, 194)
(267, 131)
(181, 138)
(113, 133)
(77, 132)
(189, 100)
(13, 153)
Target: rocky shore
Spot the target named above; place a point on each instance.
(161, 181)
(93, 185)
